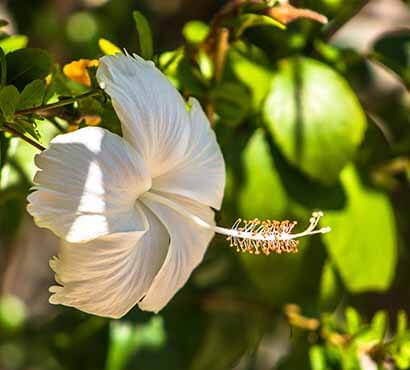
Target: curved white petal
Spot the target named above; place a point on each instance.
(188, 243)
(87, 185)
(152, 112)
(179, 147)
(201, 173)
(110, 275)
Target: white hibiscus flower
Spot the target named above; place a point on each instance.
(135, 211)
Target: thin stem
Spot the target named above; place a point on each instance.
(221, 49)
(24, 137)
(58, 104)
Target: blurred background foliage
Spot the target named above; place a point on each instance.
(309, 116)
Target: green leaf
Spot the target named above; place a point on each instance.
(245, 21)
(262, 194)
(32, 95)
(232, 102)
(9, 98)
(314, 117)
(353, 321)
(255, 76)
(330, 290)
(26, 65)
(127, 338)
(144, 34)
(317, 358)
(195, 32)
(13, 43)
(363, 232)
(393, 50)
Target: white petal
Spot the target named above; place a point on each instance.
(110, 275)
(188, 244)
(152, 112)
(87, 185)
(201, 173)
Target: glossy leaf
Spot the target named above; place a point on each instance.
(363, 232)
(314, 117)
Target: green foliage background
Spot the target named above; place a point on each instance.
(304, 124)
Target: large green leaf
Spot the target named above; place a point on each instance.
(26, 65)
(362, 242)
(314, 117)
(393, 50)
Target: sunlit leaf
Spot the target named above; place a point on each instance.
(127, 338)
(314, 117)
(195, 32)
(13, 43)
(363, 232)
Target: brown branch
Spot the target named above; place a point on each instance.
(24, 137)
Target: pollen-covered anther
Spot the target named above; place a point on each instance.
(271, 236)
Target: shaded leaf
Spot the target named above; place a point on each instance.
(26, 65)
